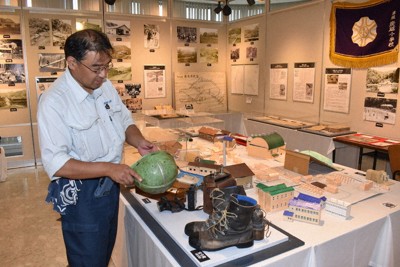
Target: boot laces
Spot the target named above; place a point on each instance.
(217, 196)
(222, 225)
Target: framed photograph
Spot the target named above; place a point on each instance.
(13, 97)
(118, 28)
(186, 34)
(208, 36)
(52, 62)
(251, 32)
(383, 80)
(122, 50)
(378, 109)
(151, 35)
(11, 49)
(208, 55)
(39, 32)
(12, 73)
(120, 72)
(187, 54)
(235, 36)
(85, 23)
(61, 29)
(10, 24)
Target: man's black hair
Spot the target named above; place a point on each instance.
(81, 42)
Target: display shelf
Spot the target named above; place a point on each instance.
(185, 122)
(330, 130)
(284, 122)
(168, 227)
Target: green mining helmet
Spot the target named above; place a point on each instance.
(158, 171)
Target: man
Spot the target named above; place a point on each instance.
(83, 125)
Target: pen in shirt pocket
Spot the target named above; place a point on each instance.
(107, 106)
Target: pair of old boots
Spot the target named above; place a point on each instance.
(236, 220)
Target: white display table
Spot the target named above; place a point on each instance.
(369, 238)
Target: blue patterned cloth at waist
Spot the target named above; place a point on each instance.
(62, 193)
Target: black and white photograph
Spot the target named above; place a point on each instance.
(61, 29)
(52, 62)
(11, 49)
(120, 88)
(235, 36)
(208, 55)
(251, 33)
(251, 52)
(187, 54)
(10, 24)
(13, 98)
(85, 23)
(134, 104)
(235, 53)
(381, 110)
(122, 50)
(208, 36)
(332, 78)
(39, 32)
(383, 80)
(118, 28)
(12, 73)
(120, 72)
(186, 34)
(151, 35)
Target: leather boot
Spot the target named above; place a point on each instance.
(234, 228)
(220, 200)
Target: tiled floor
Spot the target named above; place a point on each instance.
(30, 233)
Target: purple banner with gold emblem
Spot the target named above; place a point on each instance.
(365, 35)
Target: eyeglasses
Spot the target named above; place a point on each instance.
(99, 69)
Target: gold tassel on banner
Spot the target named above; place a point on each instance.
(372, 58)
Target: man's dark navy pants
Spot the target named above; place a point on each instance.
(90, 227)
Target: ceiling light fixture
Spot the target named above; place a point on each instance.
(227, 10)
(110, 2)
(218, 9)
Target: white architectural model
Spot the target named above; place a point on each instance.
(304, 208)
(338, 208)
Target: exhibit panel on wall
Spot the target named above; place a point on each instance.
(154, 81)
(303, 82)
(237, 79)
(278, 81)
(337, 89)
(380, 110)
(205, 91)
(244, 79)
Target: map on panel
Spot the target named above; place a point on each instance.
(205, 91)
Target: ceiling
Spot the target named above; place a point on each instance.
(238, 2)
